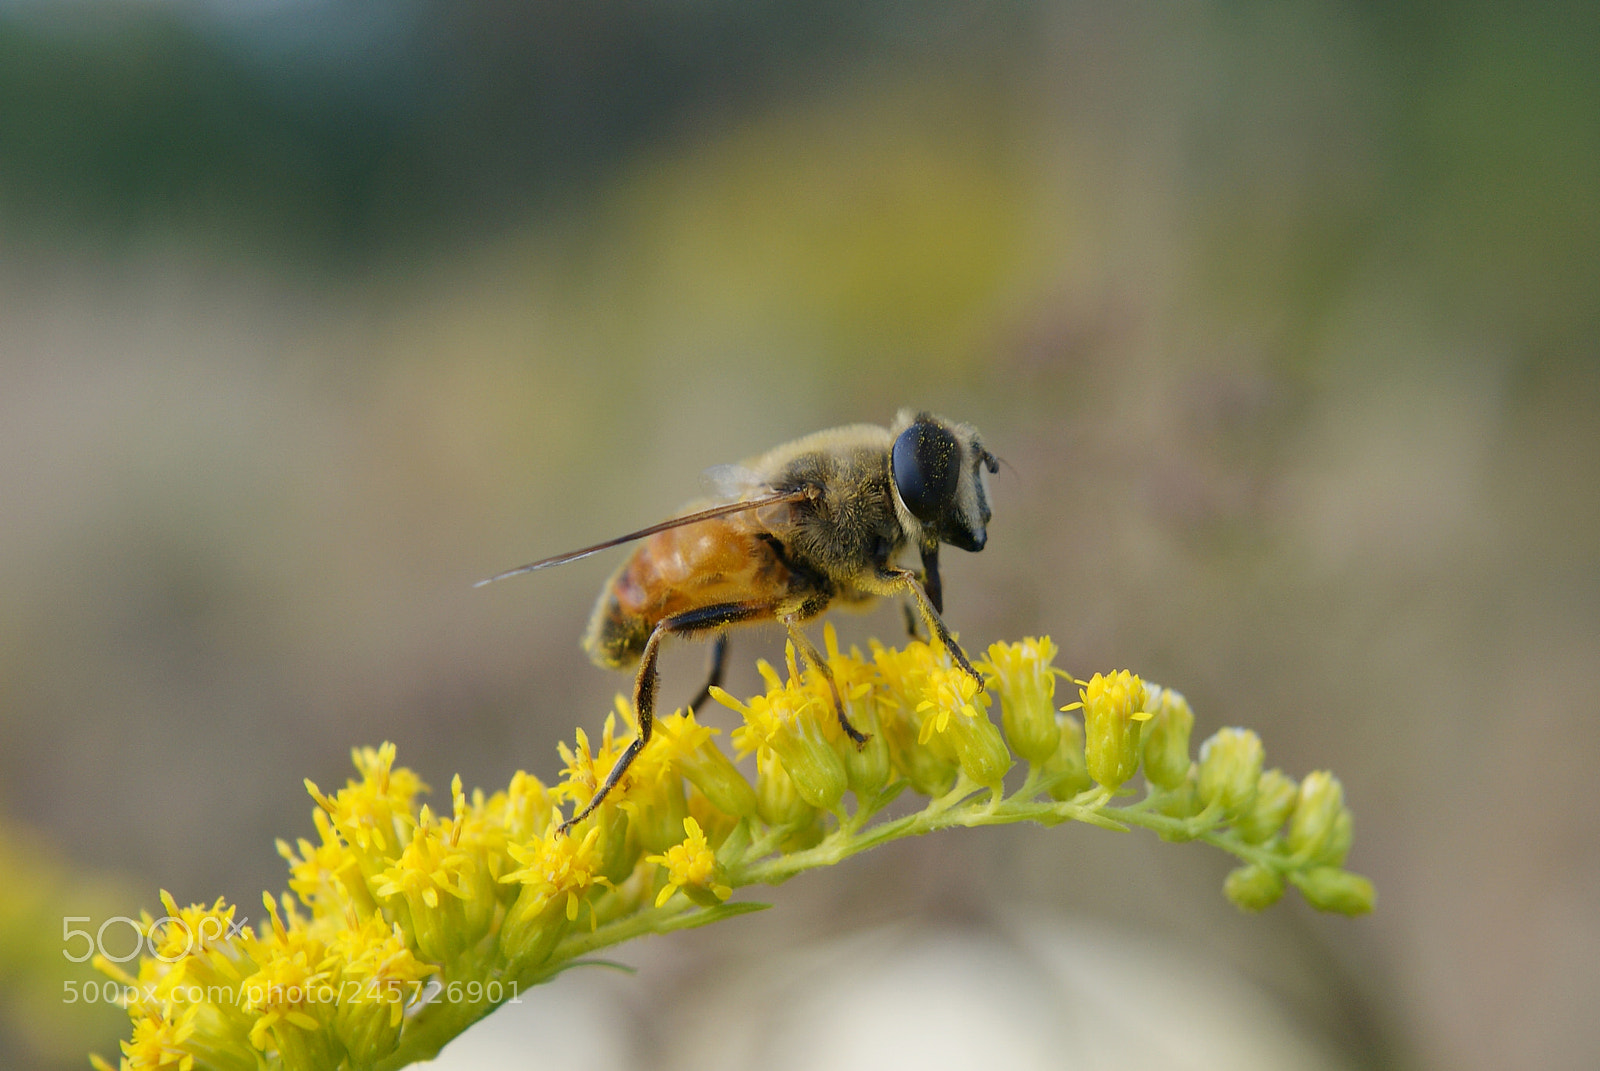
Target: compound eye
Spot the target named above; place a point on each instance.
(925, 466)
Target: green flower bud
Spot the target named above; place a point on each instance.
(1275, 796)
(719, 780)
(534, 924)
(979, 748)
(1166, 739)
(1182, 802)
(778, 802)
(1253, 887)
(806, 835)
(808, 759)
(1068, 760)
(1313, 833)
(950, 710)
(1230, 766)
(1114, 708)
(702, 896)
(369, 1026)
(1027, 687)
(658, 823)
(785, 722)
(619, 853)
(1336, 849)
(867, 768)
(736, 843)
(930, 772)
(1327, 888)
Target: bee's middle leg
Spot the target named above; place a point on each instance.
(719, 663)
(648, 679)
(814, 659)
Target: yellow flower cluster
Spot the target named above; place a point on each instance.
(403, 926)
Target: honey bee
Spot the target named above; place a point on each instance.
(820, 520)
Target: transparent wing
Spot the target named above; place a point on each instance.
(733, 482)
(771, 499)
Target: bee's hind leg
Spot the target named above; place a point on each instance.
(718, 664)
(687, 623)
(814, 659)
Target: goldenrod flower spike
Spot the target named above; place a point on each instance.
(403, 925)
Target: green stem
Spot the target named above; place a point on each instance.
(958, 807)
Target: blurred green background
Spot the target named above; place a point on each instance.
(1284, 316)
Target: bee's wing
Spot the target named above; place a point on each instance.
(769, 499)
(733, 482)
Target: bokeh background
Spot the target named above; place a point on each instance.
(1284, 317)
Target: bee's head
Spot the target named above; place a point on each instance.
(937, 467)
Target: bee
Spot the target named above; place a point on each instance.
(820, 520)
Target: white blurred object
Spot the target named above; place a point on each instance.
(568, 1023)
(1033, 992)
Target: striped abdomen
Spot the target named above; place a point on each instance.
(727, 560)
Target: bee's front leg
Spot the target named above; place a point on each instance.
(910, 610)
(907, 579)
(932, 584)
(930, 577)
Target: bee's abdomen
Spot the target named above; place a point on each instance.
(682, 569)
(615, 638)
